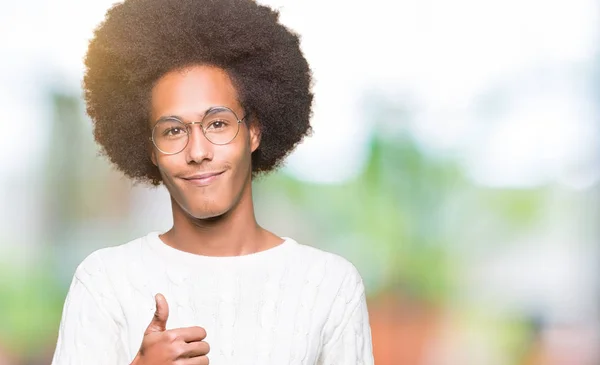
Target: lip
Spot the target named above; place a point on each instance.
(203, 179)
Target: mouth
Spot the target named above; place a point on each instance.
(203, 179)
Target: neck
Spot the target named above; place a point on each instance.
(234, 233)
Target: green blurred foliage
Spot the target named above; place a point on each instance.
(31, 304)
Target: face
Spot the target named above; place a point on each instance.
(205, 180)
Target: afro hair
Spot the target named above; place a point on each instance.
(141, 40)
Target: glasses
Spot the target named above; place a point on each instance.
(220, 125)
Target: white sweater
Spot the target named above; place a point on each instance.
(291, 304)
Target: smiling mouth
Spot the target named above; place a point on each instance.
(203, 179)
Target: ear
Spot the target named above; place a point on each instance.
(150, 144)
(153, 157)
(254, 136)
(152, 152)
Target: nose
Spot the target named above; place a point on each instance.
(199, 148)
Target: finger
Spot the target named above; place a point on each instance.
(195, 349)
(190, 334)
(200, 360)
(161, 315)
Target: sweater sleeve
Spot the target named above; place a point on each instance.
(88, 332)
(350, 342)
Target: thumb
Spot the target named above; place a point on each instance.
(159, 321)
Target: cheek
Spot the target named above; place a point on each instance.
(237, 153)
(243, 159)
(167, 165)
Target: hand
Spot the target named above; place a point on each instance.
(181, 346)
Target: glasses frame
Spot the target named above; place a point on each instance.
(188, 129)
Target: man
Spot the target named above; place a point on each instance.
(202, 96)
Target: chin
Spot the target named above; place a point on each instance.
(209, 202)
(206, 215)
(210, 210)
(198, 205)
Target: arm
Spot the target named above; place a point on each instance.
(88, 333)
(349, 342)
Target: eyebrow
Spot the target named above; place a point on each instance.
(209, 111)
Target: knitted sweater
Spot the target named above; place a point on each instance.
(288, 305)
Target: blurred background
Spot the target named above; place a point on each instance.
(455, 162)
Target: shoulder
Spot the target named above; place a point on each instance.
(336, 270)
(335, 262)
(109, 260)
(341, 288)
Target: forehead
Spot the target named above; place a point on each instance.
(191, 91)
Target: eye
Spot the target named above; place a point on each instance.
(217, 125)
(175, 131)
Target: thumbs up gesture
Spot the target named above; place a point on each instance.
(181, 346)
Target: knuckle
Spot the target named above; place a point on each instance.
(175, 352)
(171, 336)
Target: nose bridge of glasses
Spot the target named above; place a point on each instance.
(190, 124)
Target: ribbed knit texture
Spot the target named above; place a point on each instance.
(289, 305)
